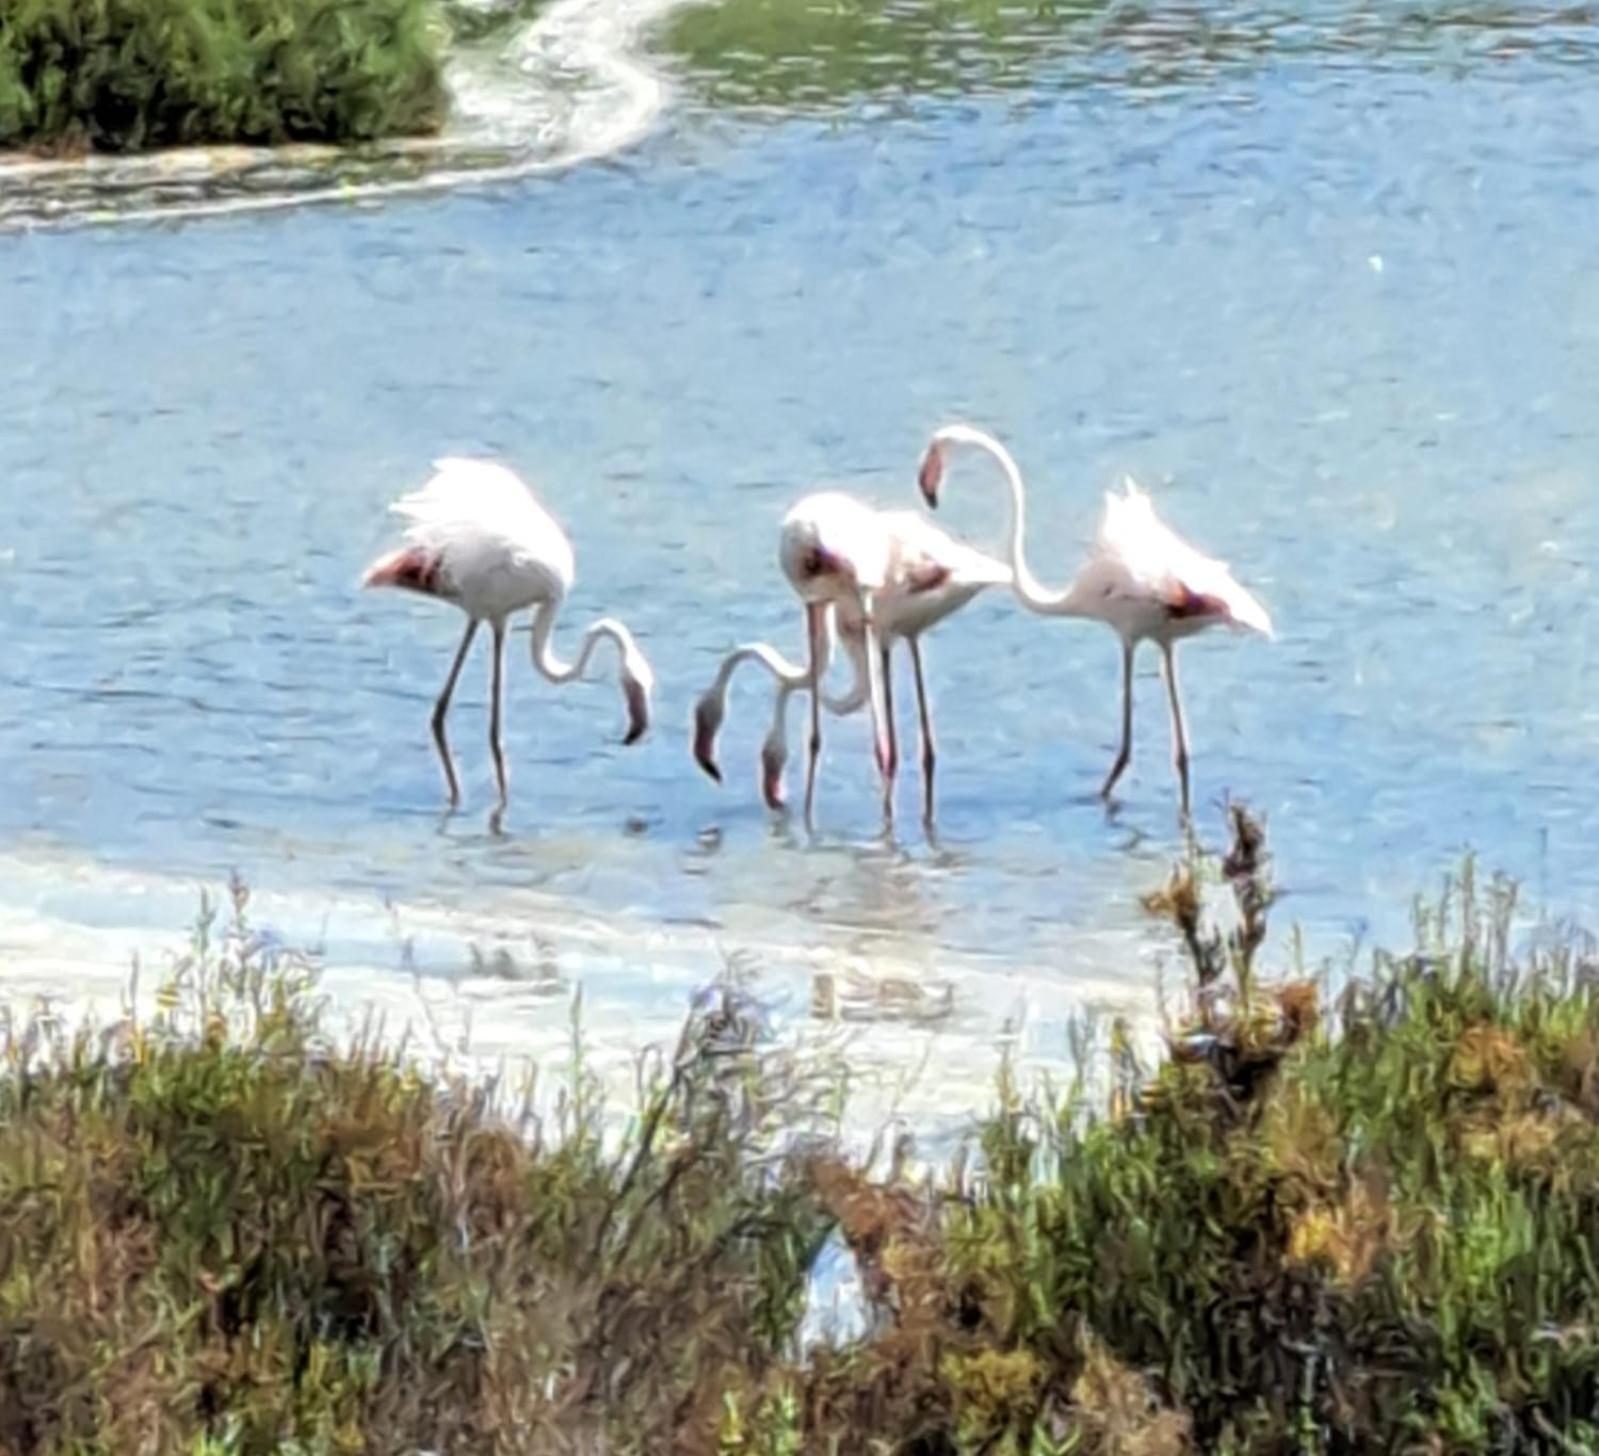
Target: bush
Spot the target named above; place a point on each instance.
(219, 1233)
(1364, 1224)
(121, 75)
(1373, 1227)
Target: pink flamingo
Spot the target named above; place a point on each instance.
(1141, 579)
(479, 539)
(835, 552)
(930, 576)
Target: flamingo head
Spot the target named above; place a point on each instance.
(774, 755)
(638, 682)
(931, 475)
(951, 437)
(708, 714)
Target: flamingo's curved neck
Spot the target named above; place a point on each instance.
(860, 690)
(789, 675)
(792, 677)
(1027, 586)
(544, 656)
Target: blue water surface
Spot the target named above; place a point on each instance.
(1343, 323)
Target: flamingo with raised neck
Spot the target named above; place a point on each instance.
(1141, 579)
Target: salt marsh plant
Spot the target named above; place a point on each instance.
(1323, 1222)
(219, 1231)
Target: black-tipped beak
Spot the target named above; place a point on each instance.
(638, 713)
(931, 474)
(705, 746)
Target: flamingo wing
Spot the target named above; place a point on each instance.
(927, 557)
(481, 495)
(489, 531)
(1160, 565)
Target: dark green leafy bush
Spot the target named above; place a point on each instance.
(122, 75)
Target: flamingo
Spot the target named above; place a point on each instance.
(930, 576)
(789, 678)
(479, 539)
(836, 554)
(1141, 579)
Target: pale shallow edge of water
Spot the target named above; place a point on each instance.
(70, 931)
(574, 87)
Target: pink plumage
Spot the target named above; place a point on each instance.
(1141, 579)
(479, 538)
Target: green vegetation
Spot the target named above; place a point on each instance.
(473, 21)
(1348, 1224)
(121, 75)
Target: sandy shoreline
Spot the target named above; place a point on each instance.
(495, 985)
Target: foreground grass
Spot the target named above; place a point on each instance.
(1362, 1225)
(122, 75)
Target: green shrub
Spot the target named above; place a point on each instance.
(1365, 1223)
(1368, 1227)
(121, 75)
(219, 1232)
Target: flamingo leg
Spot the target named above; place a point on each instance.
(1179, 732)
(929, 752)
(442, 707)
(496, 711)
(816, 633)
(890, 762)
(874, 683)
(1125, 752)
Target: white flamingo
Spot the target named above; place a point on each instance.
(789, 678)
(1141, 579)
(480, 539)
(930, 576)
(836, 552)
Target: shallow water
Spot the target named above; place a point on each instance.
(1342, 320)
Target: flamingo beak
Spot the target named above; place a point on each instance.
(772, 781)
(931, 475)
(638, 711)
(705, 741)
